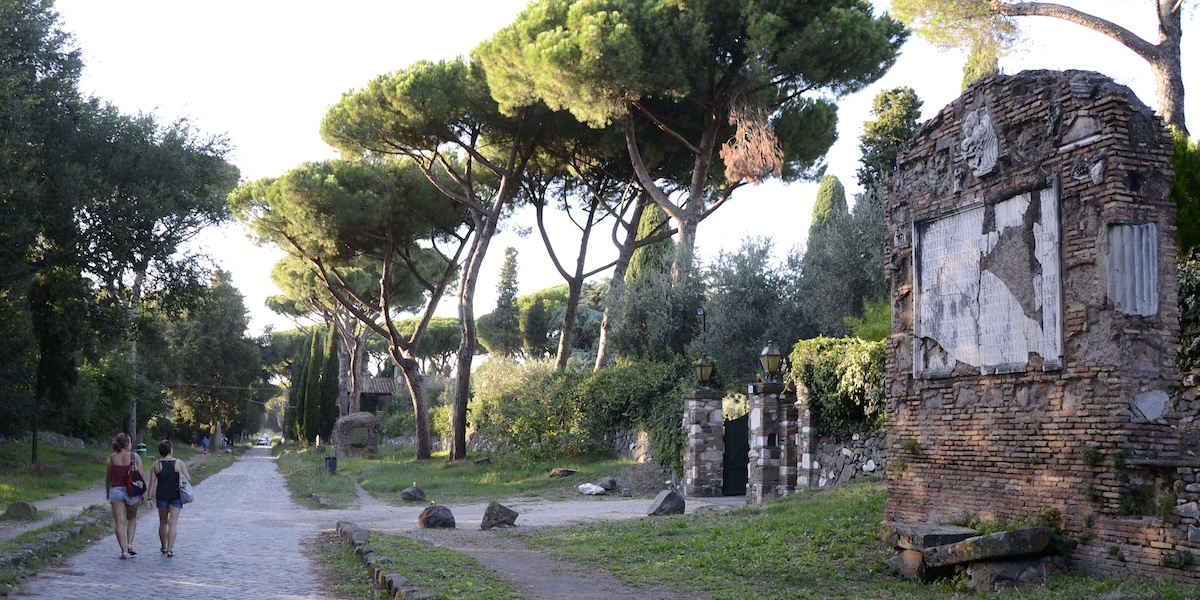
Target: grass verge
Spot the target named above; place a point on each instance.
(818, 544)
(506, 476)
(53, 542)
(443, 481)
(342, 574)
(445, 572)
(60, 470)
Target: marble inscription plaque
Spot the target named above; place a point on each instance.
(988, 291)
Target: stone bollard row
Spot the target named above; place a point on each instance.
(393, 584)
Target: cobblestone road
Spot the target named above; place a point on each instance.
(241, 538)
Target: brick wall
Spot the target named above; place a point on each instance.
(1078, 408)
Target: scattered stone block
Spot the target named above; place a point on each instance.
(668, 502)
(608, 483)
(996, 576)
(436, 517)
(412, 493)
(487, 460)
(497, 514)
(919, 536)
(21, 510)
(559, 472)
(1004, 544)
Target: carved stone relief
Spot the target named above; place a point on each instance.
(979, 146)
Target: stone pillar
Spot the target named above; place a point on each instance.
(774, 453)
(703, 462)
(805, 439)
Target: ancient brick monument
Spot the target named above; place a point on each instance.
(1031, 364)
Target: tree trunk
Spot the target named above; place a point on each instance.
(485, 228)
(570, 314)
(416, 389)
(1168, 66)
(1164, 58)
(616, 288)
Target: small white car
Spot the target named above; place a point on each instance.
(265, 440)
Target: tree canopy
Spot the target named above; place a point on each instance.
(689, 70)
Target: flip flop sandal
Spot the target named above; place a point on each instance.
(170, 554)
(124, 556)
(132, 552)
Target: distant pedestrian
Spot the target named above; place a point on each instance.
(166, 472)
(204, 443)
(124, 506)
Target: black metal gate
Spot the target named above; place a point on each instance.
(737, 456)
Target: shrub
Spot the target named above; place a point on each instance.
(1189, 314)
(630, 395)
(844, 377)
(529, 407)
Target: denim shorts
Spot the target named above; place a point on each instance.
(117, 493)
(163, 504)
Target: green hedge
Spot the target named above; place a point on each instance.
(844, 378)
(533, 409)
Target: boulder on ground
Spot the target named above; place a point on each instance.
(412, 493)
(668, 502)
(609, 483)
(436, 517)
(590, 489)
(21, 510)
(560, 472)
(497, 514)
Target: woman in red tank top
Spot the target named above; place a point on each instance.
(124, 506)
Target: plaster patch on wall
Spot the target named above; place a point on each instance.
(988, 287)
(1152, 405)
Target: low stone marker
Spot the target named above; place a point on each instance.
(436, 517)
(497, 514)
(21, 510)
(412, 493)
(608, 483)
(668, 502)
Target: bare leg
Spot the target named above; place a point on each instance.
(131, 515)
(172, 527)
(118, 509)
(164, 528)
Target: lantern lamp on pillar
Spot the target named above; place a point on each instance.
(770, 359)
(704, 369)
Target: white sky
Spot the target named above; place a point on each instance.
(264, 72)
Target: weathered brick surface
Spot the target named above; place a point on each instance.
(1049, 436)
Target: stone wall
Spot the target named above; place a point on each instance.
(837, 461)
(1031, 364)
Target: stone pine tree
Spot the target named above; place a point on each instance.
(993, 23)
(757, 74)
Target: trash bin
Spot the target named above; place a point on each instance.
(331, 465)
(141, 449)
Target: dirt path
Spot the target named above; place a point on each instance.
(536, 575)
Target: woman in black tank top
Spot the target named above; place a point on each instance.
(166, 473)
